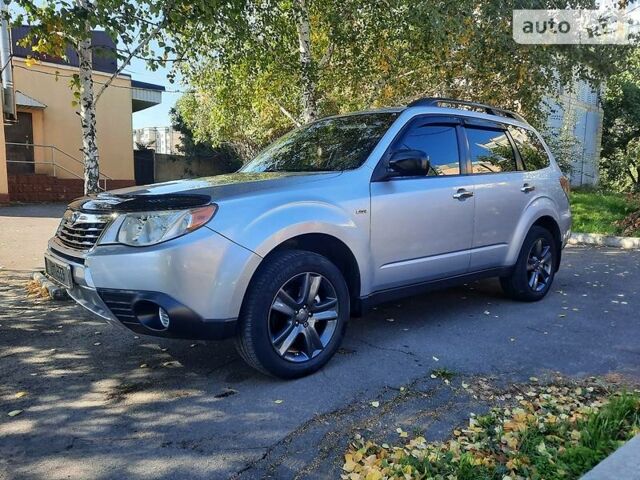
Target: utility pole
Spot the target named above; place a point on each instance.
(8, 94)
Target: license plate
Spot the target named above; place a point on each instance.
(59, 272)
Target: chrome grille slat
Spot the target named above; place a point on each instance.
(81, 231)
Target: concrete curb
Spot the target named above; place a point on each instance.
(55, 291)
(624, 463)
(629, 243)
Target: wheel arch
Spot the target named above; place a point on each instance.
(333, 249)
(541, 212)
(550, 224)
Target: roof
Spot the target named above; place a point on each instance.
(147, 86)
(104, 57)
(24, 100)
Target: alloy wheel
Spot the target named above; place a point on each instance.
(303, 317)
(539, 265)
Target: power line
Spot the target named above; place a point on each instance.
(57, 74)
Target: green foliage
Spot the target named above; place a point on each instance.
(247, 79)
(58, 24)
(620, 163)
(557, 432)
(224, 155)
(595, 211)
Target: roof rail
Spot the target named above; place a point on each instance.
(443, 102)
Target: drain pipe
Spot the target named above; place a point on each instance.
(8, 94)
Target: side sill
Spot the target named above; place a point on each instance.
(390, 294)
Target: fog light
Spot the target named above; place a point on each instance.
(164, 317)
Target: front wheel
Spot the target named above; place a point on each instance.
(294, 314)
(535, 269)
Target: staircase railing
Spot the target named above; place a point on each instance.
(56, 165)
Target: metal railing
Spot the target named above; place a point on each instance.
(56, 165)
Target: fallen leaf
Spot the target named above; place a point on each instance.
(375, 404)
(97, 344)
(21, 394)
(436, 359)
(278, 401)
(13, 413)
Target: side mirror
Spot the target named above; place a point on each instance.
(409, 163)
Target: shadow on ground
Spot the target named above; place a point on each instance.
(103, 403)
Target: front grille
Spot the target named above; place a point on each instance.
(81, 230)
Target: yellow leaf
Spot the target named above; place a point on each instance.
(349, 466)
(30, 61)
(374, 475)
(21, 394)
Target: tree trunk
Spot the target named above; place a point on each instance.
(308, 82)
(88, 115)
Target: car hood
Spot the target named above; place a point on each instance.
(195, 192)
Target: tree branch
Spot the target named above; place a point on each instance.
(327, 55)
(288, 114)
(633, 179)
(132, 54)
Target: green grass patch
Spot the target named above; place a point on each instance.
(443, 373)
(552, 432)
(601, 212)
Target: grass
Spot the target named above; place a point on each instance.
(443, 373)
(553, 432)
(601, 212)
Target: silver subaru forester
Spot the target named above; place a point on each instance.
(338, 215)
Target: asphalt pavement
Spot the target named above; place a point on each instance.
(103, 403)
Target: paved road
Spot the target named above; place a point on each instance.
(196, 411)
(24, 231)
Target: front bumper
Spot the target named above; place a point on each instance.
(138, 311)
(198, 279)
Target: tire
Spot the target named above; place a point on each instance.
(277, 321)
(520, 285)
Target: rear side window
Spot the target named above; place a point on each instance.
(532, 152)
(491, 151)
(439, 142)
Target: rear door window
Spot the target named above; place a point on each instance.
(490, 150)
(532, 152)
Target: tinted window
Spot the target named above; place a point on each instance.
(491, 151)
(340, 143)
(533, 154)
(439, 142)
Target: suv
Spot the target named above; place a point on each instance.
(333, 217)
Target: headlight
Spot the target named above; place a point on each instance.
(148, 228)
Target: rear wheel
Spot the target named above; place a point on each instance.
(294, 315)
(535, 269)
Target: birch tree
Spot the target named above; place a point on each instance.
(265, 67)
(59, 25)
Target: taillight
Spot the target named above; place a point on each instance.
(566, 186)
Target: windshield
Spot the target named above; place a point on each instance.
(332, 144)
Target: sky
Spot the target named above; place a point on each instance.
(157, 116)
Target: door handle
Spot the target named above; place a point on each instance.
(462, 194)
(526, 188)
